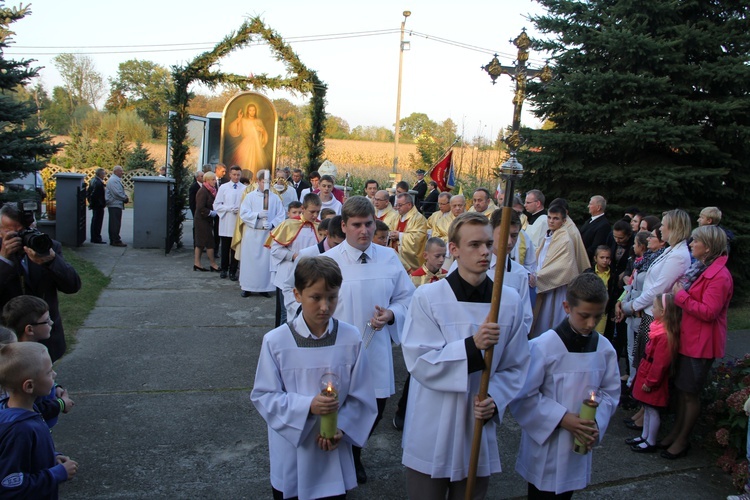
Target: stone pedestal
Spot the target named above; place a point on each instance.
(70, 197)
(151, 200)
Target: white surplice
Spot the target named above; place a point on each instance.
(286, 381)
(555, 385)
(382, 282)
(517, 279)
(255, 275)
(440, 409)
(287, 287)
(228, 198)
(281, 256)
(333, 204)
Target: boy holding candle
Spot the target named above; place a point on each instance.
(565, 362)
(294, 359)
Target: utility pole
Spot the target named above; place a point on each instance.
(407, 13)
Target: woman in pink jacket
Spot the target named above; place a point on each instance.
(703, 294)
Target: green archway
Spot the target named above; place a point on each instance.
(299, 79)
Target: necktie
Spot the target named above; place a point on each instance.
(363, 258)
(235, 185)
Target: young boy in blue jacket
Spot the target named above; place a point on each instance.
(29, 466)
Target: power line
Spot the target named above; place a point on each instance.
(194, 46)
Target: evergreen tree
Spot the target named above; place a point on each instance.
(651, 107)
(24, 145)
(139, 158)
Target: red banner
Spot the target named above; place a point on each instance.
(442, 172)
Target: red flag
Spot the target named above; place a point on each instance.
(442, 172)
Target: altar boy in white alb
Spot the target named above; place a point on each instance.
(287, 392)
(376, 289)
(446, 330)
(565, 363)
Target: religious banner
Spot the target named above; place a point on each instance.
(442, 173)
(249, 127)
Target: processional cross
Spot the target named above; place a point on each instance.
(511, 171)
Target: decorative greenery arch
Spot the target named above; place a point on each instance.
(299, 79)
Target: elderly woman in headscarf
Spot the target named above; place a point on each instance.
(204, 222)
(703, 294)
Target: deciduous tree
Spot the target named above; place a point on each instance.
(84, 84)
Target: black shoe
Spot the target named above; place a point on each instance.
(233, 277)
(245, 294)
(265, 294)
(118, 244)
(650, 448)
(199, 268)
(223, 275)
(361, 474)
(100, 242)
(398, 422)
(635, 440)
(633, 426)
(674, 456)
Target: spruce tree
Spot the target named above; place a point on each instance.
(24, 146)
(651, 107)
(139, 157)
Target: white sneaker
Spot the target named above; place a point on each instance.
(744, 496)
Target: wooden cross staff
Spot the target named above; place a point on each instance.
(511, 171)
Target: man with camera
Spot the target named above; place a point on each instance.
(31, 263)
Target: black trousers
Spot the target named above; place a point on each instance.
(228, 262)
(97, 219)
(401, 409)
(115, 221)
(278, 495)
(536, 494)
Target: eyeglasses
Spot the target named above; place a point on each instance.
(48, 322)
(399, 205)
(443, 204)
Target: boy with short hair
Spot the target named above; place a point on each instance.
(432, 269)
(446, 329)
(29, 467)
(286, 241)
(566, 361)
(381, 233)
(287, 391)
(293, 210)
(326, 194)
(327, 213)
(28, 316)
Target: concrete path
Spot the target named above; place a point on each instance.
(161, 376)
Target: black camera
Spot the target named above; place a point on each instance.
(32, 237)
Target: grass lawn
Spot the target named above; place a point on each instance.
(738, 317)
(75, 308)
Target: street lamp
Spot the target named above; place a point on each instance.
(402, 46)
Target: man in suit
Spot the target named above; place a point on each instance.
(429, 205)
(421, 188)
(25, 272)
(595, 231)
(116, 200)
(95, 196)
(298, 183)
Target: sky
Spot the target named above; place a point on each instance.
(439, 79)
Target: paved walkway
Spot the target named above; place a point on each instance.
(161, 376)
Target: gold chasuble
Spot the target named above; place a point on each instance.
(439, 222)
(581, 257)
(413, 237)
(559, 267)
(487, 213)
(237, 236)
(286, 232)
(390, 216)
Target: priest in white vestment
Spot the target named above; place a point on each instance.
(255, 275)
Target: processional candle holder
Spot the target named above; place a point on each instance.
(329, 386)
(588, 412)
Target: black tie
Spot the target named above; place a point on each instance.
(363, 258)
